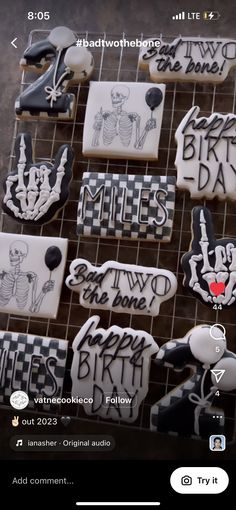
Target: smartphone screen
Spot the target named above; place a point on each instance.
(118, 247)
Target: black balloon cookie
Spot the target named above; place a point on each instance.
(63, 64)
(35, 192)
(210, 265)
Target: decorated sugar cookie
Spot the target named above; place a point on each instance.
(126, 206)
(123, 120)
(203, 59)
(206, 154)
(122, 288)
(35, 192)
(110, 369)
(33, 364)
(31, 274)
(210, 265)
(188, 409)
(63, 64)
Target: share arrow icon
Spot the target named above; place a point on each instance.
(218, 374)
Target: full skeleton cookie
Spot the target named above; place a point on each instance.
(210, 265)
(206, 155)
(198, 59)
(31, 274)
(62, 65)
(35, 192)
(126, 206)
(123, 120)
(122, 288)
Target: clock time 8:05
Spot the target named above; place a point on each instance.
(38, 15)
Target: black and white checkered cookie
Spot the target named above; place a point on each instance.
(105, 197)
(33, 364)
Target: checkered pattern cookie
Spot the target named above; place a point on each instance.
(32, 364)
(126, 206)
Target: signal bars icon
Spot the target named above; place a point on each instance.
(179, 16)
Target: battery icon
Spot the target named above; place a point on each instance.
(211, 15)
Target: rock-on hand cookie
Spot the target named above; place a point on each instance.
(35, 192)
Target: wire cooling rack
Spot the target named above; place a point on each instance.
(182, 312)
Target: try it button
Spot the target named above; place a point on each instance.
(199, 480)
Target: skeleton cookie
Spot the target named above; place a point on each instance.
(210, 265)
(34, 193)
(31, 272)
(123, 120)
(68, 64)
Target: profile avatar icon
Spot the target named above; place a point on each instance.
(217, 443)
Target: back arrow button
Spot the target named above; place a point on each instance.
(13, 42)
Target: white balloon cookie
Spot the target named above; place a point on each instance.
(47, 97)
(31, 274)
(121, 288)
(110, 369)
(123, 120)
(194, 398)
(199, 59)
(206, 155)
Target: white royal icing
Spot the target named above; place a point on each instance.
(206, 155)
(123, 120)
(121, 288)
(110, 369)
(31, 274)
(203, 59)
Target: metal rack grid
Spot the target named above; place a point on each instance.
(182, 312)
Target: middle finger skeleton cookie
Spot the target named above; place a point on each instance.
(35, 192)
(210, 265)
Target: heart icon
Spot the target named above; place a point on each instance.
(65, 420)
(217, 288)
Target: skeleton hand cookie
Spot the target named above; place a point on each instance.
(35, 192)
(68, 64)
(210, 265)
(123, 120)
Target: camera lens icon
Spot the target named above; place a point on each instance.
(186, 480)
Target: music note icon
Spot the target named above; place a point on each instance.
(19, 442)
